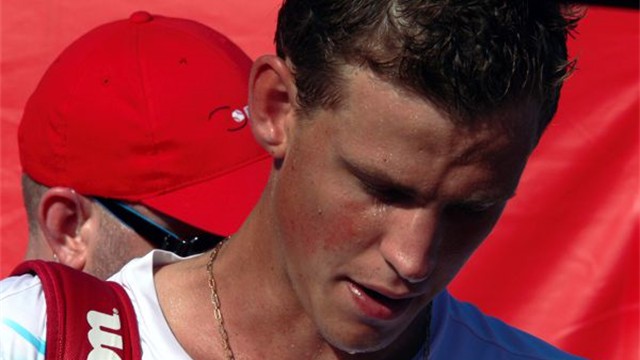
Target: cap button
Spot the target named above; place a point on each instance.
(139, 17)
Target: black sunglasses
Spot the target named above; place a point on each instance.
(159, 236)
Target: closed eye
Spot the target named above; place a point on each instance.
(388, 195)
(381, 187)
(472, 207)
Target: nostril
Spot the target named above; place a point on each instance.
(417, 276)
(415, 280)
(415, 269)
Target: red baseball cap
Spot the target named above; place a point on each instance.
(151, 110)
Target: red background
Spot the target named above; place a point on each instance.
(563, 261)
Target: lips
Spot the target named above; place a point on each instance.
(375, 305)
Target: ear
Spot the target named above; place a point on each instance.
(62, 215)
(272, 103)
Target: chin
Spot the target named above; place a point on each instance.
(358, 341)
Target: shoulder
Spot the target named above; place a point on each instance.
(17, 286)
(137, 278)
(461, 331)
(144, 266)
(22, 318)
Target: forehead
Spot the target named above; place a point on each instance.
(393, 131)
(370, 102)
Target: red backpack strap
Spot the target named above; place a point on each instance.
(87, 318)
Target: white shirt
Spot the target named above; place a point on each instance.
(23, 312)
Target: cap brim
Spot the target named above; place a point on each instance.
(219, 205)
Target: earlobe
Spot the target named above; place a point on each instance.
(272, 102)
(61, 216)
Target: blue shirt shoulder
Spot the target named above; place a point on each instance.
(459, 330)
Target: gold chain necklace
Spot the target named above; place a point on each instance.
(215, 301)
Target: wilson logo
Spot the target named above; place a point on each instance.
(101, 339)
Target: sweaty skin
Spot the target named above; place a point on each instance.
(380, 203)
(370, 211)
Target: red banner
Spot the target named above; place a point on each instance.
(563, 263)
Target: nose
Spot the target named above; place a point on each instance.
(410, 241)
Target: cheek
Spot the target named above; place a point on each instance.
(461, 238)
(347, 226)
(323, 216)
(462, 241)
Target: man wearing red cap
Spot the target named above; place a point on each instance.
(398, 131)
(135, 139)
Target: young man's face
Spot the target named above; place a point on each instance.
(380, 202)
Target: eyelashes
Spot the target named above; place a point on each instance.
(388, 195)
(472, 208)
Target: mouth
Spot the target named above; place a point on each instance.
(376, 305)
